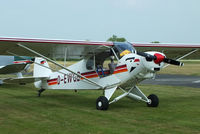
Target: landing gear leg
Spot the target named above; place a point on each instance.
(102, 103)
(40, 91)
(135, 93)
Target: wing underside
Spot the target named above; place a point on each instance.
(52, 48)
(171, 50)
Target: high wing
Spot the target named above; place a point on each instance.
(170, 49)
(165, 45)
(52, 48)
(80, 49)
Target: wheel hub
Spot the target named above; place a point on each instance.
(99, 103)
(149, 101)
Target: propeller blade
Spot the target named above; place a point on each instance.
(173, 62)
(148, 57)
(158, 58)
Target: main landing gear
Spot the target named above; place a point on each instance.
(40, 91)
(102, 103)
(154, 101)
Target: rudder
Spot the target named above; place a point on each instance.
(41, 68)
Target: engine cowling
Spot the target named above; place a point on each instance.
(156, 63)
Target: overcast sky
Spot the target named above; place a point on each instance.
(172, 21)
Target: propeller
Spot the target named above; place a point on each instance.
(158, 58)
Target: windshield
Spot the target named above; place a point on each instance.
(123, 48)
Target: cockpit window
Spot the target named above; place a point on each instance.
(123, 48)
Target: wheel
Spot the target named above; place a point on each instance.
(102, 103)
(154, 101)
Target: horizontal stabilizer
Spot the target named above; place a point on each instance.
(23, 80)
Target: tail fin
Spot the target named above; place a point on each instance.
(41, 68)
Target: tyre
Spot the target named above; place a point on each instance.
(154, 101)
(102, 103)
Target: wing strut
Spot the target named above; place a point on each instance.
(193, 51)
(40, 55)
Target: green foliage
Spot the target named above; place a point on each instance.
(114, 38)
(155, 42)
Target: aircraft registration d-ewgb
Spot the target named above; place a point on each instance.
(103, 66)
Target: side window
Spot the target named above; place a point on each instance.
(90, 63)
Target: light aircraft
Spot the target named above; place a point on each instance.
(14, 65)
(126, 66)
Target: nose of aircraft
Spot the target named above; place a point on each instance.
(158, 58)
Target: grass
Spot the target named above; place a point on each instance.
(189, 68)
(21, 112)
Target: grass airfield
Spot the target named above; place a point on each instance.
(56, 112)
(63, 112)
(189, 68)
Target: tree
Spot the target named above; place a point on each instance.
(155, 42)
(114, 38)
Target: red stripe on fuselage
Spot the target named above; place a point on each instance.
(93, 74)
(88, 73)
(120, 71)
(52, 83)
(52, 80)
(121, 66)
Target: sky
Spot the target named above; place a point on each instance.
(167, 21)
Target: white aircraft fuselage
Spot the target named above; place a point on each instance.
(130, 70)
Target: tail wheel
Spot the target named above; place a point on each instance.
(102, 103)
(154, 101)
